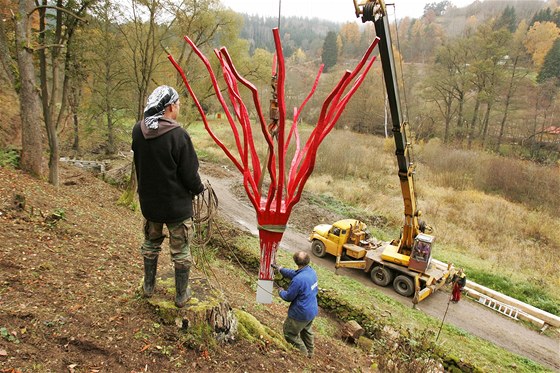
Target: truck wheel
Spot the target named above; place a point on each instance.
(403, 285)
(381, 276)
(318, 248)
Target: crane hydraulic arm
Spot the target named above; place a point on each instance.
(375, 11)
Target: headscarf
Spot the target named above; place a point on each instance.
(161, 97)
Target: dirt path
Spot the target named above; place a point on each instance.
(467, 315)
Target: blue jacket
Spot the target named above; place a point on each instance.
(302, 292)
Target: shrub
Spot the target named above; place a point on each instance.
(9, 158)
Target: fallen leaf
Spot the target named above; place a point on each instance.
(3, 353)
(75, 307)
(145, 347)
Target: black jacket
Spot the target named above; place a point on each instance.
(167, 172)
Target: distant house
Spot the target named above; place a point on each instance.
(551, 137)
(551, 134)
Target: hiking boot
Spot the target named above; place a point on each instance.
(182, 291)
(150, 270)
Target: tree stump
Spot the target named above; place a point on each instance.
(353, 330)
(206, 311)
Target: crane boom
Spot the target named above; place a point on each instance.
(375, 11)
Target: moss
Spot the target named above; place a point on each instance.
(365, 344)
(252, 330)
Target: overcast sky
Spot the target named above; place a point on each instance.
(333, 10)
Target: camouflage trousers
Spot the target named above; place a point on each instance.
(179, 241)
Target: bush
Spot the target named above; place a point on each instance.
(9, 158)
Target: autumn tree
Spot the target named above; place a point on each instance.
(440, 86)
(142, 35)
(207, 23)
(350, 36)
(109, 79)
(454, 58)
(55, 58)
(425, 36)
(543, 102)
(330, 51)
(517, 56)
(487, 73)
(539, 40)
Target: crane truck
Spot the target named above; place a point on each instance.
(406, 263)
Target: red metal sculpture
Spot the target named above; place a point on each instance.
(273, 208)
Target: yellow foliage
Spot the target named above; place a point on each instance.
(539, 40)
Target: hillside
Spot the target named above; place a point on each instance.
(69, 302)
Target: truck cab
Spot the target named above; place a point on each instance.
(347, 236)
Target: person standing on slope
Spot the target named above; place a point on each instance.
(167, 173)
(302, 293)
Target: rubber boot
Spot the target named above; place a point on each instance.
(150, 270)
(182, 291)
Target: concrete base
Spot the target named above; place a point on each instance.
(264, 291)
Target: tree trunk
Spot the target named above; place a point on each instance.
(510, 92)
(473, 122)
(109, 116)
(76, 144)
(208, 308)
(448, 117)
(30, 108)
(461, 99)
(47, 106)
(485, 124)
(353, 330)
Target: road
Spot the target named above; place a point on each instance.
(470, 316)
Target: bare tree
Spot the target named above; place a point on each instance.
(53, 96)
(109, 75)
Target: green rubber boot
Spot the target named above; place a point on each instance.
(150, 270)
(182, 291)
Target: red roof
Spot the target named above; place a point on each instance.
(552, 130)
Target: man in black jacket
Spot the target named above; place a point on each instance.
(167, 171)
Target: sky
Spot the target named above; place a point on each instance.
(332, 10)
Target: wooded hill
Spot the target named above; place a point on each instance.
(484, 76)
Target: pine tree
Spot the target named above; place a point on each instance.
(508, 19)
(546, 15)
(551, 66)
(330, 51)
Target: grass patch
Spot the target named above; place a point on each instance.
(524, 291)
(349, 299)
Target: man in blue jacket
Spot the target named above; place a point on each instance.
(167, 172)
(302, 293)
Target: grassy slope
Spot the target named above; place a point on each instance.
(503, 245)
(452, 342)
